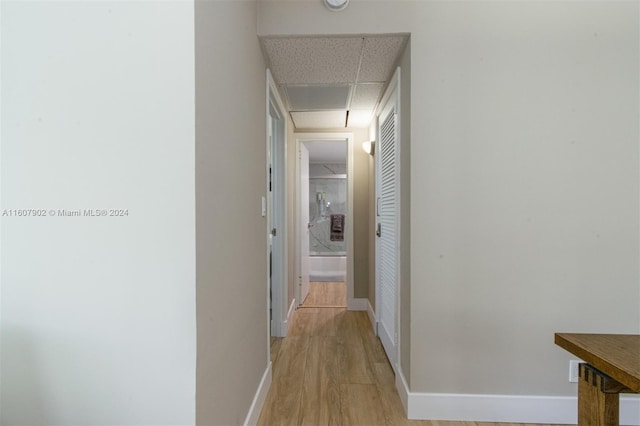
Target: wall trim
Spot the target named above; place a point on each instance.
(259, 398)
(372, 317)
(287, 321)
(403, 389)
(357, 304)
(502, 408)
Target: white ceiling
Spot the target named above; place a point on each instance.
(327, 151)
(322, 74)
(319, 119)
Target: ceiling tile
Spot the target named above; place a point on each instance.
(319, 119)
(314, 60)
(361, 65)
(378, 58)
(365, 96)
(318, 97)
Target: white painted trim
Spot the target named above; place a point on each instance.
(502, 408)
(279, 218)
(287, 321)
(372, 317)
(297, 228)
(350, 241)
(259, 398)
(357, 304)
(403, 389)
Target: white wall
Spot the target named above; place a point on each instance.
(524, 180)
(405, 210)
(361, 227)
(98, 313)
(527, 151)
(232, 286)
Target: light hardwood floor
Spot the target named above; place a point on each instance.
(326, 294)
(332, 370)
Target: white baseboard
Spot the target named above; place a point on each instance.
(403, 389)
(357, 304)
(259, 398)
(502, 408)
(372, 317)
(285, 324)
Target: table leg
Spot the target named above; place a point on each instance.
(597, 405)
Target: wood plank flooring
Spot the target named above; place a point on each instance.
(332, 370)
(326, 294)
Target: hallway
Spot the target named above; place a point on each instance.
(326, 295)
(331, 370)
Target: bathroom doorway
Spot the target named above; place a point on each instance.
(325, 224)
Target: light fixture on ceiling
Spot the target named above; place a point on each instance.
(369, 147)
(336, 5)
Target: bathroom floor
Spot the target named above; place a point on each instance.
(326, 295)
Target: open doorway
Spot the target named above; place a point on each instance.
(330, 85)
(324, 225)
(324, 208)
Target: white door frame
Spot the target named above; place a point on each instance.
(276, 211)
(391, 96)
(302, 209)
(303, 137)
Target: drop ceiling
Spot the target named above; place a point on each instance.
(332, 82)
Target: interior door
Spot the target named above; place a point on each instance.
(388, 229)
(276, 190)
(304, 223)
(276, 229)
(273, 324)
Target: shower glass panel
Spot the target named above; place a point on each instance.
(327, 197)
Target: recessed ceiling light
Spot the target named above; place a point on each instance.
(336, 5)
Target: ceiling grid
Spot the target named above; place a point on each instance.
(324, 77)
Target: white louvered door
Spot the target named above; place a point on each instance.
(388, 206)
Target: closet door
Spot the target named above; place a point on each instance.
(387, 215)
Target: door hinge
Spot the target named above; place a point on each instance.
(269, 179)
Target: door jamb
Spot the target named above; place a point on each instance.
(279, 221)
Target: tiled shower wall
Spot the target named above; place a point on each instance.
(327, 196)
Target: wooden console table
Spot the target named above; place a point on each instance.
(612, 367)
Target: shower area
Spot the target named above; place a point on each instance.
(327, 213)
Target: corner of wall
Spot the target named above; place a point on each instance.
(405, 212)
(232, 284)
(260, 397)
